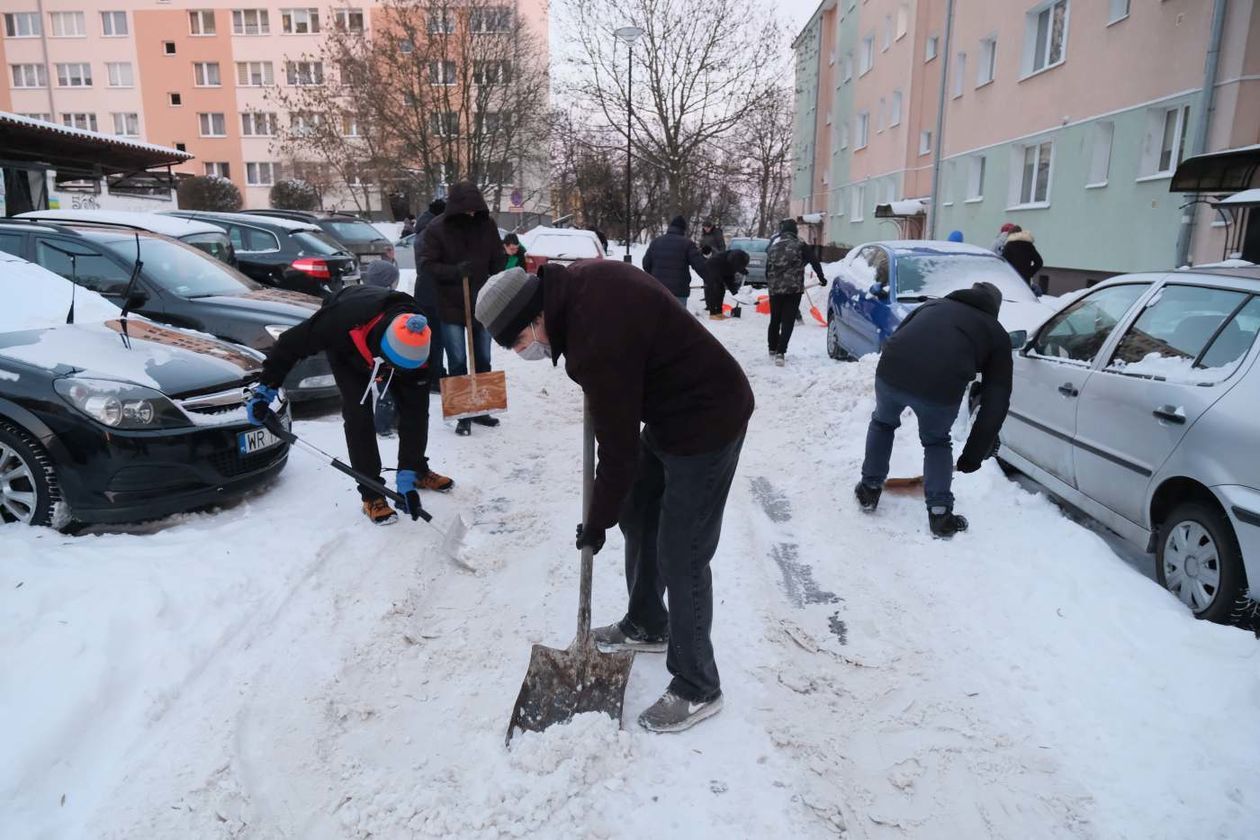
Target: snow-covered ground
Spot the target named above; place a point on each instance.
(281, 669)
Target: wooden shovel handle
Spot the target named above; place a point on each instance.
(468, 334)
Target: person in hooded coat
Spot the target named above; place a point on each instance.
(712, 238)
(462, 242)
(721, 276)
(927, 365)
(1000, 242)
(426, 295)
(785, 280)
(669, 258)
(1023, 256)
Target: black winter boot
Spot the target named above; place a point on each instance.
(463, 427)
(945, 523)
(486, 420)
(867, 496)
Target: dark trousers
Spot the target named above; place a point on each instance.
(411, 397)
(457, 348)
(784, 312)
(935, 421)
(714, 292)
(672, 519)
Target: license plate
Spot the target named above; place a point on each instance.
(256, 440)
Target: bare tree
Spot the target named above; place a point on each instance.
(768, 159)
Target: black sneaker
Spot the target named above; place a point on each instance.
(945, 523)
(463, 427)
(613, 638)
(867, 496)
(486, 420)
(674, 714)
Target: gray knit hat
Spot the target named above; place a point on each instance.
(508, 302)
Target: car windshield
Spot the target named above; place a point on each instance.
(750, 246)
(925, 276)
(316, 243)
(216, 245)
(181, 269)
(351, 230)
(560, 246)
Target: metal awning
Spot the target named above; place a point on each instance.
(1246, 198)
(75, 150)
(1218, 172)
(901, 209)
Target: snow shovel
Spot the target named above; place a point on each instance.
(562, 683)
(473, 394)
(813, 310)
(452, 537)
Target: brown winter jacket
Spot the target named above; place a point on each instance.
(455, 237)
(640, 358)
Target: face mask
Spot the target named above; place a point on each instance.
(535, 350)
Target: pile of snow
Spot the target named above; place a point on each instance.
(35, 298)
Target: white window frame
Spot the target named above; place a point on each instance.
(886, 43)
(859, 201)
(254, 170)
(207, 123)
(903, 20)
(482, 18)
(925, 142)
(168, 48)
(343, 16)
(976, 166)
(57, 25)
(42, 117)
(866, 56)
(130, 123)
(23, 75)
(862, 130)
(444, 124)
(207, 74)
(245, 74)
(1032, 24)
(305, 17)
(848, 66)
(314, 70)
(1102, 136)
(70, 120)
(986, 66)
(350, 126)
(170, 99)
(70, 72)
(880, 110)
(1117, 10)
(241, 23)
(1019, 168)
(443, 73)
(201, 23)
(844, 134)
(960, 74)
(931, 48)
(219, 168)
(22, 25)
(894, 116)
(120, 74)
(440, 21)
(1157, 129)
(253, 121)
(109, 25)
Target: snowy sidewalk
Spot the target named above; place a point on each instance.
(282, 670)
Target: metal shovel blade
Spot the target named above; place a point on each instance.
(562, 683)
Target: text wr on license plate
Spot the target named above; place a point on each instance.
(255, 440)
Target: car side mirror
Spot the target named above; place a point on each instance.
(1018, 339)
(878, 290)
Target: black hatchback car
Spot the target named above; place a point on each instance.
(178, 285)
(105, 420)
(284, 253)
(359, 237)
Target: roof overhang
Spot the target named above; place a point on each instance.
(24, 141)
(904, 209)
(1246, 198)
(1218, 172)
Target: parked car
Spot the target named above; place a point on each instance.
(756, 250)
(1137, 403)
(203, 235)
(559, 245)
(355, 235)
(177, 285)
(880, 283)
(106, 421)
(283, 253)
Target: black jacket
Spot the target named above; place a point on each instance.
(640, 359)
(724, 267)
(1022, 254)
(937, 352)
(456, 237)
(426, 287)
(713, 238)
(328, 331)
(669, 257)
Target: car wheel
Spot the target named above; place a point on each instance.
(834, 349)
(28, 483)
(1197, 558)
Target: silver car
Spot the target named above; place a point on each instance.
(1139, 403)
(756, 250)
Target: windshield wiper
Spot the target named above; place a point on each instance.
(916, 298)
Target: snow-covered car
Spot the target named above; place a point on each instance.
(877, 285)
(201, 235)
(107, 420)
(1137, 403)
(560, 245)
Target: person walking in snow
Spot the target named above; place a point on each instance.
(409, 225)
(643, 361)
(927, 366)
(463, 242)
(1023, 256)
(712, 238)
(669, 258)
(426, 296)
(721, 276)
(785, 279)
(376, 340)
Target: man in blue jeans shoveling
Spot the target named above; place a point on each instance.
(927, 366)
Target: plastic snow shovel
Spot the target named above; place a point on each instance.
(452, 537)
(813, 310)
(562, 683)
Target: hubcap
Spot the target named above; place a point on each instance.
(1192, 566)
(17, 488)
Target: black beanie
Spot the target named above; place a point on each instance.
(437, 207)
(787, 226)
(680, 223)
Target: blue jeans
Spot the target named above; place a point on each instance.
(457, 348)
(935, 421)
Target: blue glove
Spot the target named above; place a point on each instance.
(405, 481)
(258, 405)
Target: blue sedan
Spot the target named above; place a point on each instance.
(880, 283)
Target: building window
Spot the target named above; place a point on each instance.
(1045, 36)
(22, 25)
(29, 75)
(1119, 11)
(120, 74)
(925, 142)
(491, 72)
(1034, 174)
(490, 20)
(206, 74)
(444, 123)
(859, 202)
(844, 134)
(77, 74)
(348, 20)
(933, 46)
(304, 73)
(67, 24)
(1100, 153)
(894, 118)
(848, 66)
(888, 33)
(442, 72)
(79, 120)
(126, 125)
(175, 99)
(303, 123)
(216, 169)
(299, 21)
(251, 22)
(862, 130)
(1165, 140)
(988, 61)
(960, 74)
(866, 58)
(975, 178)
(40, 117)
(168, 47)
(903, 19)
(255, 74)
(879, 115)
(349, 125)
(114, 24)
(258, 124)
(212, 125)
(181, 147)
(441, 21)
(260, 174)
(201, 22)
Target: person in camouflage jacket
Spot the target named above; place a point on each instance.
(785, 279)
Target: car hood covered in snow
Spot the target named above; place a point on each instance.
(266, 305)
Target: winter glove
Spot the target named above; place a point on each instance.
(405, 481)
(822, 281)
(967, 465)
(594, 537)
(258, 404)
(462, 268)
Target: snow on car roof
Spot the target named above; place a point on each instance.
(175, 226)
(35, 298)
(562, 242)
(253, 219)
(931, 246)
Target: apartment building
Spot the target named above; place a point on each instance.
(188, 74)
(1066, 117)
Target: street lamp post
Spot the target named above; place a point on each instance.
(628, 35)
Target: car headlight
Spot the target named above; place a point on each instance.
(276, 330)
(120, 405)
